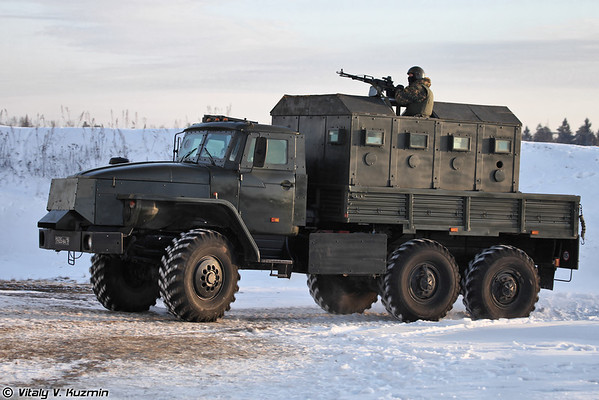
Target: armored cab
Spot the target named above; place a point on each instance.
(360, 141)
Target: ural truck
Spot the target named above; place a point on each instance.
(363, 201)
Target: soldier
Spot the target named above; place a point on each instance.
(417, 97)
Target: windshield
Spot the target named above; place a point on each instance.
(210, 146)
(216, 145)
(190, 145)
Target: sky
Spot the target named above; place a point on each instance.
(170, 62)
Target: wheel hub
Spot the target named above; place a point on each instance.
(208, 277)
(424, 282)
(211, 278)
(505, 288)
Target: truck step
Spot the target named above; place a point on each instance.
(279, 268)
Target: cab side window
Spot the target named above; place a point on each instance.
(276, 151)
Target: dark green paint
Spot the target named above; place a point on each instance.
(356, 178)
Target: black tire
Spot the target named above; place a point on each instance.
(501, 282)
(198, 279)
(422, 281)
(123, 286)
(339, 294)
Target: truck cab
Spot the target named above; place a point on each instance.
(270, 178)
(227, 173)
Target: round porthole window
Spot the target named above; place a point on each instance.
(370, 159)
(413, 161)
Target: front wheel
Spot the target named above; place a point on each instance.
(198, 279)
(501, 282)
(422, 281)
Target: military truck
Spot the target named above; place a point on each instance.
(363, 201)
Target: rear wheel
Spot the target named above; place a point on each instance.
(501, 282)
(339, 294)
(422, 281)
(121, 285)
(198, 279)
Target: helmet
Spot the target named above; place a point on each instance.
(417, 74)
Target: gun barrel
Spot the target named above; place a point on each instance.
(362, 78)
(386, 82)
(384, 86)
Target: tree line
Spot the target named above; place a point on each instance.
(124, 119)
(584, 136)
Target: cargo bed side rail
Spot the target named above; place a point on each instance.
(458, 212)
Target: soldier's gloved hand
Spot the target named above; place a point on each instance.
(399, 88)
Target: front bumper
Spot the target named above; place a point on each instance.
(81, 241)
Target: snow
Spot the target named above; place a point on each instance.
(276, 342)
(273, 351)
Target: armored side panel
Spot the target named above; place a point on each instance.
(332, 130)
(452, 155)
(479, 147)
(359, 141)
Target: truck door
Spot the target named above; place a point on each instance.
(267, 192)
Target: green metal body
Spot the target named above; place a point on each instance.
(329, 188)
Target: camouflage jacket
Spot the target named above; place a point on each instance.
(417, 98)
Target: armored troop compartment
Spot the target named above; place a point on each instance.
(359, 141)
(455, 172)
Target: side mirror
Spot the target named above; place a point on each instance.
(260, 152)
(177, 145)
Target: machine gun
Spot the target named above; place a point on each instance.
(384, 86)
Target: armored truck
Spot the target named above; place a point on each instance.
(363, 201)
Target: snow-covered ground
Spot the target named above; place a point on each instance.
(276, 342)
